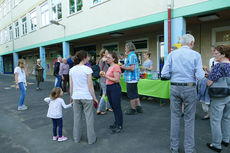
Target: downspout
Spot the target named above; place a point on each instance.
(169, 24)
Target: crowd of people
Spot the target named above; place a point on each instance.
(183, 68)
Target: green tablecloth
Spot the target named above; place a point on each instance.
(153, 88)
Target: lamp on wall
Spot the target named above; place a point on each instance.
(208, 17)
(56, 23)
(116, 34)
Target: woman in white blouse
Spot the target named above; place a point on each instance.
(83, 96)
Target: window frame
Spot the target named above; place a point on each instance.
(32, 19)
(56, 7)
(17, 31)
(46, 12)
(141, 39)
(11, 37)
(24, 25)
(219, 29)
(98, 3)
(75, 7)
(110, 44)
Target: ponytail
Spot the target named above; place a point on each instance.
(80, 56)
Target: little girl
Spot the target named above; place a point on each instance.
(55, 112)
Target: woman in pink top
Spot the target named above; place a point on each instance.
(113, 91)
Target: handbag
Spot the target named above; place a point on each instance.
(220, 88)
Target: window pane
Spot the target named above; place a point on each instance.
(59, 11)
(71, 6)
(142, 44)
(54, 13)
(79, 5)
(223, 36)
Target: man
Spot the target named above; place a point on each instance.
(183, 66)
(56, 71)
(212, 61)
(132, 76)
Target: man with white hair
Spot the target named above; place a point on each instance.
(183, 66)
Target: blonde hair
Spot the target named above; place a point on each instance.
(55, 93)
(102, 52)
(21, 64)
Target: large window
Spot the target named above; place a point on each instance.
(111, 46)
(1, 37)
(16, 2)
(1, 13)
(75, 6)
(4, 8)
(16, 29)
(221, 35)
(141, 44)
(56, 10)
(10, 32)
(33, 20)
(44, 14)
(24, 26)
(8, 5)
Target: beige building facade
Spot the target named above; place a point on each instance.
(33, 29)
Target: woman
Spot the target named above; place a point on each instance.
(220, 107)
(20, 79)
(64, 73)
(83, 96)
(148, 64)
(103, 65)
(113, 91)
(39, 73)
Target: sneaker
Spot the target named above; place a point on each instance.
(173, 151)
(113, 126)
(23, 107)
(62, 138)
(54, 138)
(139, 109)
(117, 130)
(130, 112)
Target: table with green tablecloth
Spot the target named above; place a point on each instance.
(153, 88)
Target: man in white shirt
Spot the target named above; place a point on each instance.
(212, 61)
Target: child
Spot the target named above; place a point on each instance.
(55, 112)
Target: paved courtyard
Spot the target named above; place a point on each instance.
(30, 131)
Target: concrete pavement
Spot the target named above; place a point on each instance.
(30, 131)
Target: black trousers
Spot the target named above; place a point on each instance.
(114, 95)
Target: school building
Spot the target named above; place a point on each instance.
(33, 29)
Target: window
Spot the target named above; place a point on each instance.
(44, 14)
(10, 32)
(75, 6)
(141, 44)
(8, 5)
(4, 10)
(111, 46)
(16, 2)
(1, 13)
(56, 9)
(33, 20)
(1, 37)
(24, 26)
(16, 28)
(5, 35)
(221, 35)
(95, 2)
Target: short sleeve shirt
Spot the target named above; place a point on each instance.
(132, 76)
(79, 75)
(218, 72)
(21, 74)
(148, 64)
(110, 73)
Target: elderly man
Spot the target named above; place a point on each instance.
(184, 67)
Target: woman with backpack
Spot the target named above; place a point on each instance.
(103, 65)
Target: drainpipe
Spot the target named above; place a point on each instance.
(169, 24)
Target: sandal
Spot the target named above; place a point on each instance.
(109, 109)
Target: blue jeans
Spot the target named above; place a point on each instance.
(114, 95)
(220, 120)
(23, 93)
(102, 102)
(57, 123)
(58, 84)
(188, 95)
